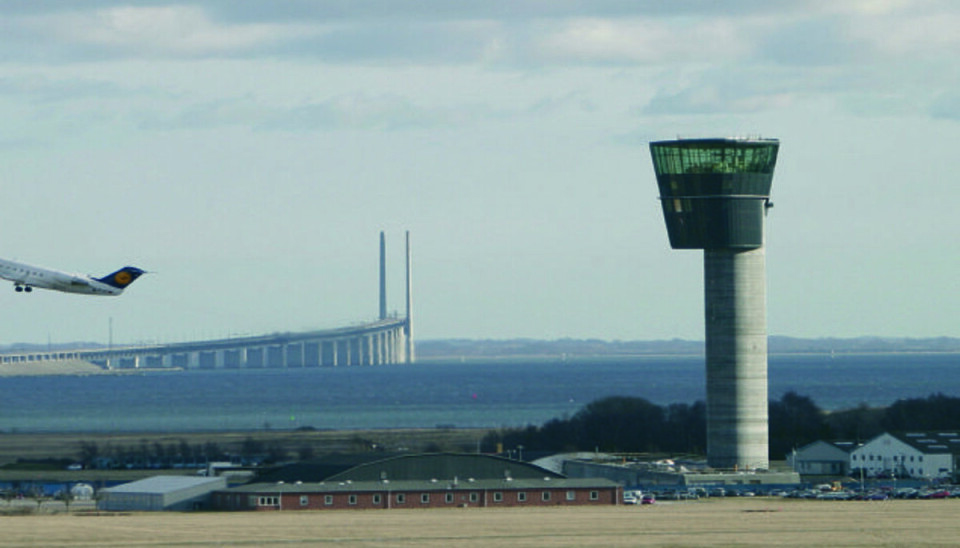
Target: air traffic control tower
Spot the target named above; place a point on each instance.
(715, 194)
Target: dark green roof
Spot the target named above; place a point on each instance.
(451, 484)
(427, 466)
(319, 469)
(443, 465)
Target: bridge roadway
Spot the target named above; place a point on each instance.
(375, 343)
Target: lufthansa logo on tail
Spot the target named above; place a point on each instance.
(123, 277)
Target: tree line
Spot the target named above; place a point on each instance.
(612, 424)
(635, 425)
(180, 454)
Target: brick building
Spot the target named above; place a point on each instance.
(420, 481)
(419, 494)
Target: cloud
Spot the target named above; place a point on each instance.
(382, 43)
(714, 100)
(41, 89)
(723, 90)
(643, 41)
(704, 58)
(500, 10)
(136, 32)
(524, 34)
(356, 111)
(946, 106)
(811, 41)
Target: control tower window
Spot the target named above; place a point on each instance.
(718, 157)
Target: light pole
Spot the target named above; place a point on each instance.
(280, 498)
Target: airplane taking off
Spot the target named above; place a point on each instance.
(25, 277)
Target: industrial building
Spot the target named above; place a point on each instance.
(921, 455)
(822, 458)
(436, 480)
(715, 194)
(903, 455)
(670, 474)
(161, 493)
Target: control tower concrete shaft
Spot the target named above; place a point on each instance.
(715, 194)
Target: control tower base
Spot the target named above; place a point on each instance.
(736, 355)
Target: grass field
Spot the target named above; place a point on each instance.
(716, 522)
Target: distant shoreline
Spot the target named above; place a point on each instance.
(69, 368)
(82, 368)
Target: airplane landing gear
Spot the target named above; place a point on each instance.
(20, 288)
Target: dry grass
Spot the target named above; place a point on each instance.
(729, 522)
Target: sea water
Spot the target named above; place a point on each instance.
(490, 393)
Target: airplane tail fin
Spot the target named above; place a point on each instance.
(123, 277)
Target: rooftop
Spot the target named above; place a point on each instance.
(435, 484)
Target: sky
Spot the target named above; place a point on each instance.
(248, 154)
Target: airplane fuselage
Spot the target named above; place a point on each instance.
(25, 277)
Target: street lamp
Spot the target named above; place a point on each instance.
(280, 498)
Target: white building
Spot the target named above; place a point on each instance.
(912, 455)
(161, 493)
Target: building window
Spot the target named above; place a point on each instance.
(401, 498)
(352, 499)
(376, 498)
(521, 496)
(425, 498)
(920, 459)
(268, 501)
(328, 500)
(571, 495)
(594, 495)
(545, 496)
(497, 496)
(304, 500)
(448, 498)
(474, 497)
